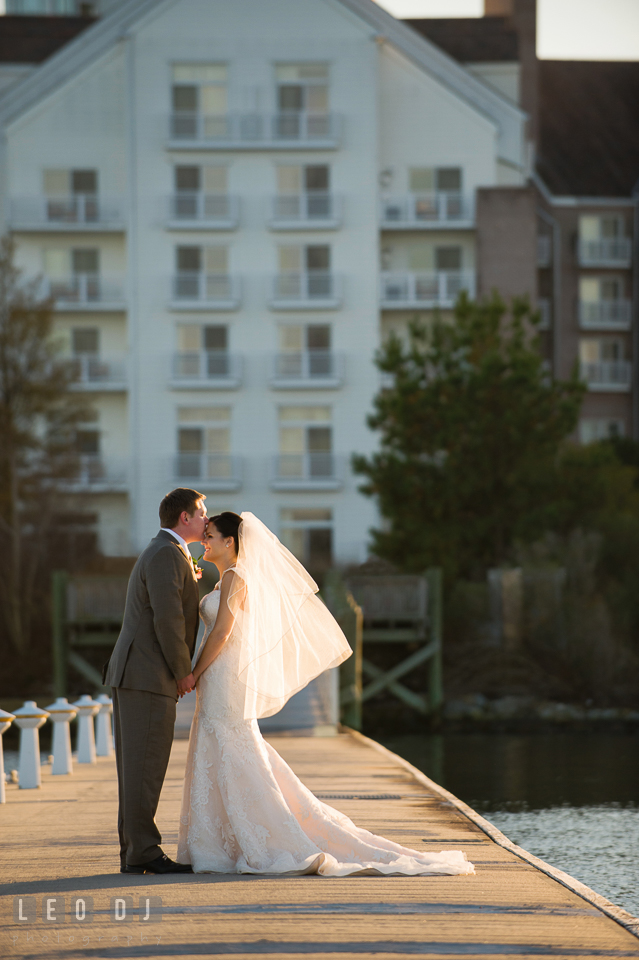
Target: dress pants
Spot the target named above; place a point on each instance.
(143, 723)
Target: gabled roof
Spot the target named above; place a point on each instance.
(472, 39)
(98, 39)
(588, 127)
(32, 39)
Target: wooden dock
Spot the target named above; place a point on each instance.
(60, 842)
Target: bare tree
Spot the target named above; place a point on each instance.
(38, 415)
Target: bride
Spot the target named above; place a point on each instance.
(243, 809)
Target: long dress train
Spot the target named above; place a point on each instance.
(245, 811)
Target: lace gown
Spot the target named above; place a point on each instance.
(245, 811)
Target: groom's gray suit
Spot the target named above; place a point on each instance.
(152, 653)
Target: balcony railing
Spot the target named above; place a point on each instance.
(611, 375)
(606, 314)
(314, 369)
(85, 291)
(97, 475)
(97, 373)
(306, 470)
(437, 289)
(214, 471)
(217, 291)
(605, 253)
(316, 288)
(544, 250)
(418, 210)
(207, 368)
(77, 212)
(312, 210)
(254, 130)
(203, 210)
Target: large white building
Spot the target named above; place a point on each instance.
(232, 203)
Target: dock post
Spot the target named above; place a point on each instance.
(103, 733)
(59, 583)
(30, 718)
(6, 720)
(348, 614)
(61, 713)
(86, 708)
(435, 667)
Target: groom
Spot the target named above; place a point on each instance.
(150, 667)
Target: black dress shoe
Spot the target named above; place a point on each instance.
(161, 864)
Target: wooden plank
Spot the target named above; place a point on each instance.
(61, 840)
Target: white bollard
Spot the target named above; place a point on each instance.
(86, 709)
(61, 714)
(103, 732)
(5, 722)
(30, 717)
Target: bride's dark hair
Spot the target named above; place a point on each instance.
(229, 525)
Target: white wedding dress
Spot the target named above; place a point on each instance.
(245, 811)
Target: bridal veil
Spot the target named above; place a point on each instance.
(288, 636)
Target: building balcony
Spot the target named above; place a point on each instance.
(94, 474)
(210, 471)
(203, 211)
(85, 291)
(97, 373)
(605, 314)
(410, 291)
(306, 471)
(544, 250)
(251, 131)
(313, 370)
(315, 210)
(544, 307)
(205, 291)
(206, 370)
(426, 211)
(315, 290)
(605, 253)
(613, 376)
(84, 212)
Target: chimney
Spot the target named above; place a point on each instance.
(498, 8)
(524, 20)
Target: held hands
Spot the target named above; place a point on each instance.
(186, 685)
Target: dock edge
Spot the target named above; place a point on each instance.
(621, 916)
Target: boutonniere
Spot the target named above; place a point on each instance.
(197, 570)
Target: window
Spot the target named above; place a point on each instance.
(592, 430)
(305, 351)
(85, 261)
(305, 442)
(303, 191)
(199, 101)
(601, 228)
(595, 289)
(190, 179)
(308, 268)
(448, 258)
(440, 179)
(204, 441)
(308, 534)
(203, 351)
(199, 88)
(85, 340)
(71, 195)
(87, 442)
(302, 87)
(595, 351)
(202, 273)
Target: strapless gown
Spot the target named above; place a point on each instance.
(245, 811)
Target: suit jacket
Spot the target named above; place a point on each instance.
(161, 618)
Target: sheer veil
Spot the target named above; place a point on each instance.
(288, 636)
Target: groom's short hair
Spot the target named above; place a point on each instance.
(175, 503)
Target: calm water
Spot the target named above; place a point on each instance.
(571, 799)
